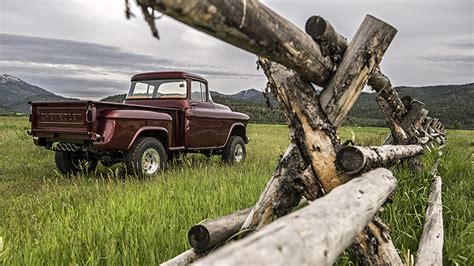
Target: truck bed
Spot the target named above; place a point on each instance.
(78, 121)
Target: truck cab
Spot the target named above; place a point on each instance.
(163, 115)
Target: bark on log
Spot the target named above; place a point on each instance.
(250, 25)
(208, 234)
(293, 240)
(430, 250)
(356, 159)
(331, 42)
(290, 181)
(315, 137)
(382, 85)
(185, 258)
(363, 54)
(317, 140)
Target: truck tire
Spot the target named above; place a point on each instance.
(234, 151)
(146, 157)
(72, 163)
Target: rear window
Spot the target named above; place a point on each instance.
(158, 89)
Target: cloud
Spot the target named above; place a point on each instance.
(83, 69)
(467, 59)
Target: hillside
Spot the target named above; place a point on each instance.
(450, 103)
(16, 94)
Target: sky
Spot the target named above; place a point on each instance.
(87, 48)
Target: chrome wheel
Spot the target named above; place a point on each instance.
(238, 153)
(150, 161)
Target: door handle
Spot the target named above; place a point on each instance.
(194, 104)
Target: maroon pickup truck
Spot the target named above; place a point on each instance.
(164, 114)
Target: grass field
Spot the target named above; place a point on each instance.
(49, 219)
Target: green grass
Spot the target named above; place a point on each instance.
(49, 219)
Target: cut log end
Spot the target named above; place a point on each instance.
(315, 27)
(350, 160)
(199, 237)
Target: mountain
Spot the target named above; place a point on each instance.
(450, 103)
(16, 94)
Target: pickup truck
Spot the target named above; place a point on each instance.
(164, 115)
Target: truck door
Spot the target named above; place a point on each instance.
(203, 125)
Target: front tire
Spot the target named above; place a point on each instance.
(234, 151)
(145, 158)
(73, 163)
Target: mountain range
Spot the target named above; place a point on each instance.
(452, 104)
(15, 95)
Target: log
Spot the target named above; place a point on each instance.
(210, 233)
(382, 85)
(184, 258)
(356, 159)
(363, 54)
(430, 250)
(331, 42)
(289, 182)
(317, 142)
(250, 25)
(316, 234)
(313, 134)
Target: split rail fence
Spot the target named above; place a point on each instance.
(336, 188)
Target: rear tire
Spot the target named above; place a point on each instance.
(145, 158)
(234, 151)
(73, 163)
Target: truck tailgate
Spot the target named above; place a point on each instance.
(60, 119)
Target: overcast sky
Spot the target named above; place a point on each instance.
(87, 49)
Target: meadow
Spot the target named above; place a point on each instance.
(46, 218)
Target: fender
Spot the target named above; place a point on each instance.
(230, 131)
(150, 128)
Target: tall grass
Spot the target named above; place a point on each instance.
(93, 219)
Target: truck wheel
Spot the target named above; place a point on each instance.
(146, 157)
(72, 163)
(234, 151)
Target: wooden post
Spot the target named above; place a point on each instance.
(206, 235)
(290, 181)
(362, 56)
(356, 159)
(250, 25)
(316, 234)
(331, 42)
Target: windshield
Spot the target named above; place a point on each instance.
(158, 89)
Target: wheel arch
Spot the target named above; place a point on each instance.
(237, 129)
(159, 133)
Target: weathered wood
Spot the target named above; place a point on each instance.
(356, 159)
(430, 250)
(317, 142)
(252, 26)
(316, 234)
(184, 258)
(363, 54)
(382, 85)
(331, 42)
(290, 181)
(314, 135)
(210, 233)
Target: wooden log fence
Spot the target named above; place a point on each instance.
(345, 185)
(316, 234)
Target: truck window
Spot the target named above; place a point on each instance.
(198, 91)
(158, 89)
